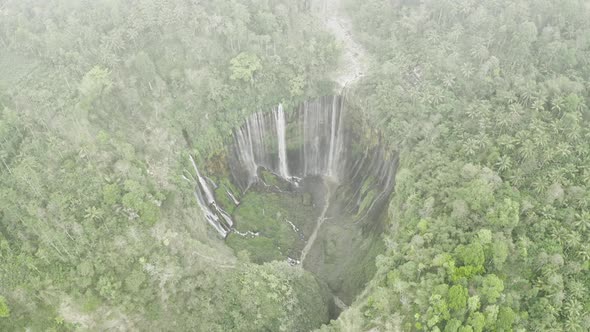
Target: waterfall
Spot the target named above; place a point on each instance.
(203, 183)
(281, 128)
(209, 206)
(321, 137)
(245, 152)
(321, 142)
(336, 140)
(232, 197)
(332, 141)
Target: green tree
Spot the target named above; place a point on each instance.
(492, 287)
(499, 252)
(505, 214)
(506, 318)
(453, 325)
(94, 84)
(458, 298)
(471, 254)
(244, 65)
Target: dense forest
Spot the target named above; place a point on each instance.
(103, 105)
(98, 230)
(490, 221)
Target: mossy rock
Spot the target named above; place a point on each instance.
(274, 181)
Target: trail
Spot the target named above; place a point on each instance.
(353, 62)
(318, 225)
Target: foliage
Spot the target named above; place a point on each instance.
(487, 102)
(272, 216)
(97, 227)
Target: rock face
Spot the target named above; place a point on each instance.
(315, 139)
(276, 159)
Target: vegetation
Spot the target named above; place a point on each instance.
(274, 225)
(97, 227)
(487, 100)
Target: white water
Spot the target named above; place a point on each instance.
(211, 217)
(208, 205)
(336, 141)
(233, 198)
(281, 129)
(262, 142)
(203, 183)
(332, 143)
(321, 145)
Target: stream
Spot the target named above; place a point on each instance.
(318, 225)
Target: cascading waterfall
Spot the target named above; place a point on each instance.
(314, 140)
(262, 142)
(203, 183)
(318, 144)
(216, 216)
(281, 128)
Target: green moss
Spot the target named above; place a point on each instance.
(269, 178)
(269, 214)
(221, 196)
(274, 181)
(223, 200)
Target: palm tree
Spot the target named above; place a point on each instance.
(506, 142)
(564, 149)
(528, 93)
(556, 176)
(573, 307)
(541, 139)
(504, 122)
(584, 253)
(557, 104)
(576, 289)
(538, 104)
(540, 186)
(436, 96)
(480, 52)
(573, 324)
(449, 81)
(432, 36)
(467, 70)
(527, 150)
(456, 33)
(582, 222)
(93, 213)
(573, 240)
(473, 111)
(470, 147)
(518, 177)
(573, 135)
(504, 163)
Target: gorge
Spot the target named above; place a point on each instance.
(316, 156)
(317, 169)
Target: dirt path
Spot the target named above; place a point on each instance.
(353, 62)
(318, 225)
